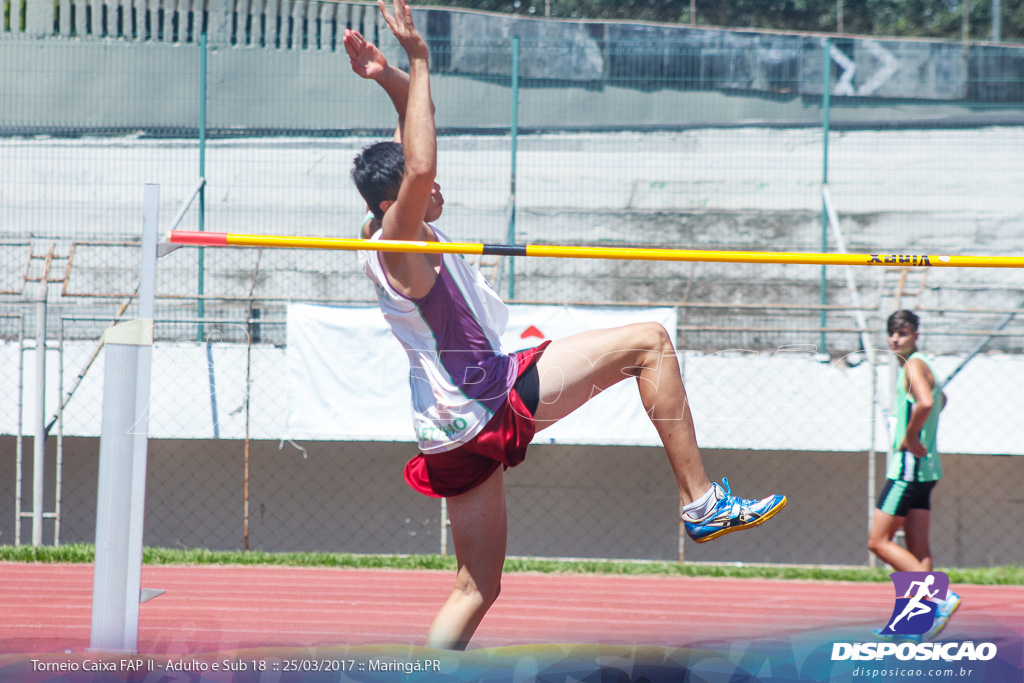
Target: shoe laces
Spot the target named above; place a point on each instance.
(734, 501)
(723, 494)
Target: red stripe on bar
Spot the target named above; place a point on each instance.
(202, 239)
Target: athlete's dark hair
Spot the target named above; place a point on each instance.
(377, 173)
(902, 318)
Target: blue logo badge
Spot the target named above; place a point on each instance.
(917, 598)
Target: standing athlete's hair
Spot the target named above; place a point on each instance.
(377, 173)
(900, 319)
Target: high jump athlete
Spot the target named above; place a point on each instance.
(475, 409)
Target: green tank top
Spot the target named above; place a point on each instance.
(905, 466)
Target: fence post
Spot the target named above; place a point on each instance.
(872, 455)
(515, 143)
(200, 304)
(19, 446)
(39, 440)
(826, 104)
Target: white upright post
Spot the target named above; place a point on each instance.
(39, 442)
(140, 441)
(113, 502)
(120, 500)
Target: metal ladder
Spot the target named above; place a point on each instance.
(897, 283)
(48, 261)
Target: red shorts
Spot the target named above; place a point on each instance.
(503, 441)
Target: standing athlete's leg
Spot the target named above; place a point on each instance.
(479, 530)
(916, 530)
(574, 369)
(883, 528)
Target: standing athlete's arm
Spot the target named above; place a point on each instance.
(921, 384)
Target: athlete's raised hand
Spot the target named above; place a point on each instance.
(401, 25)
(366, 59)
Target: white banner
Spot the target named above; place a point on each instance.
(348, 378)
(741, 400)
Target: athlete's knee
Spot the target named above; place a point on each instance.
(653, 341)
(876, 542)
(483, 590)
(656, 336)
(486, 595)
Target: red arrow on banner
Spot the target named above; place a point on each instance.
(532, 331)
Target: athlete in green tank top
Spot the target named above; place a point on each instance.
(906, 465)
(905, 502)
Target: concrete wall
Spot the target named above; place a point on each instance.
(576, 75)
(53, 85)
(565, 501)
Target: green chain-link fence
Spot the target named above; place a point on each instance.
(626, 134)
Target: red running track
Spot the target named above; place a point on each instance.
(47, 608)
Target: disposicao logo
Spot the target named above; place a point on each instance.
(914, 613)
(917, 596)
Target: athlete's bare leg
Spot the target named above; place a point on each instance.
(916, 530)
(883, 528)
(575, 368)
(479, 530)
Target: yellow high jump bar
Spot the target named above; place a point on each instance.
(221, 239)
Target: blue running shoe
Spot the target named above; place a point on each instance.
(942, 614)
(731, 514)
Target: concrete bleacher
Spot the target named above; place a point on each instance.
(583, 189)
(623, 144)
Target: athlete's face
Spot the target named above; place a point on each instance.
(435, 205)
(903, 341)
